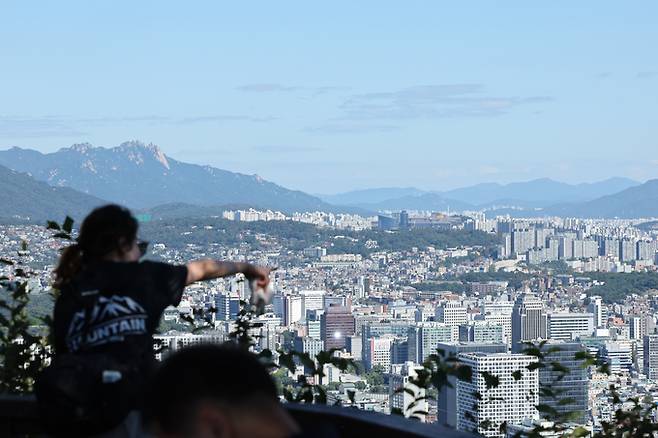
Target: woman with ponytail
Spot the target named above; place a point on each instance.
(108, 308)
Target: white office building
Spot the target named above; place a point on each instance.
(451, 313)
(567, 326)
(484, 409)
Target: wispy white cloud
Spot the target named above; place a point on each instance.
(349, 128)
(433, 101)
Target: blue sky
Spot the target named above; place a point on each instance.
(346, 95)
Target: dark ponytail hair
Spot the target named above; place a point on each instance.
(104, 230)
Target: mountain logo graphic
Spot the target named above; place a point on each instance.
(111, 320)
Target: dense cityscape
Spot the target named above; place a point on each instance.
(530, 280)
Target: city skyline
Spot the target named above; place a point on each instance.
(348, 96)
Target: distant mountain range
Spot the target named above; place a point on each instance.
(73, 180)
(142, 176)
(638, 201)
(537, 193)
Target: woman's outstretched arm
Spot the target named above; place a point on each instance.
(208, 269)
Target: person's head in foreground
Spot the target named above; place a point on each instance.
(216, 391)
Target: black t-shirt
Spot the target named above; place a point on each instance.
(125, 313)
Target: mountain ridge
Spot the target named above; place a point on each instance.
(141, 176)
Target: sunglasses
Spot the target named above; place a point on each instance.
(143, 247)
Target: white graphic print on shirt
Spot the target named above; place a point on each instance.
(111, 319)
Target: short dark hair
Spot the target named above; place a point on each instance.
(223, 373)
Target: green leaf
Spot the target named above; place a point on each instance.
(535, 365)
(517, 375)
(490, 380)
(566, 401)
(580, 432)
(68, 224)
(464, 373)
(52, 225)
(542, 407)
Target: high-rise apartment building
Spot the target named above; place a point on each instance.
(627, 250)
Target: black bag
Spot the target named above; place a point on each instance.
(85, 393)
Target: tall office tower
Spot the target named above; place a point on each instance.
(447, 399)
(335, 324)
(314, 328)
(374, 329)
(651, 356)
(292, 309)
(573, 386)
(227, 305)
(424, 337)
(502, 319)
(484, 409)
(569, 326)
(523, 238)
(451, 313)
(399, 350)
(307, 345)
(354, 346)
(627, 250)
(565, 248)
(610, 248)
(481, 332)
(401, 377)
(238, 286)
(500, 312)
(638, 327)
(618, 355)
(528, 320)
(380, 353)
(599, 310)
(404, 220)
(311, 300)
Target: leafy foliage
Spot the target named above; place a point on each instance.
(620, 285)
(24, 349)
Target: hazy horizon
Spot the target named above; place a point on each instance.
(341, 97)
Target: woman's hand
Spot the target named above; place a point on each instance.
(259, 274)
